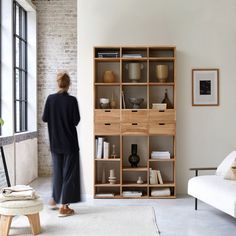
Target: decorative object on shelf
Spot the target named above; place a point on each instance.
(104, 103)
(134, 70)
(109, 76)
(103, 175)
(113, 154)
(113, 101)
(134, 158)
(167, 100)
(112, 177)
(205, 87)
(162, 73)
(159, 106)
(136, 102)
(139, 181)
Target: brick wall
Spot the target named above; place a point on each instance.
(57, 49)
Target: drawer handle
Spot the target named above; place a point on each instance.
(107, 110)
(161, 110)
(134, 111)
(107, 124)
(161, 123)
(134, 123)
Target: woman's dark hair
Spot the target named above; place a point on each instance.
(63, 81)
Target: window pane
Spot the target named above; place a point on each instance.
(17, 84)
(17, 52)
(23, 24)
(17, 19)
(17, 117)
(23, 116)
(23, 55)
(23, 85)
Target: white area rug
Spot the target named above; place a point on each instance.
(94, 221)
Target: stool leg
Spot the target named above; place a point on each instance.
(34, 223)
(5, 225)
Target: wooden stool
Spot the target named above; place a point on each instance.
(29, 208)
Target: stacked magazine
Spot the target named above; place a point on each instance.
(160, 155)
(132, 194)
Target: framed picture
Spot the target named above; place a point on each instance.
(205, 87)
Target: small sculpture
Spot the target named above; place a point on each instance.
(112, 178)
(139, 181)
(134, 158)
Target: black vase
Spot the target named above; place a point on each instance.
(134, 158)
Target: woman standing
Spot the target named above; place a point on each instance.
(62, 115)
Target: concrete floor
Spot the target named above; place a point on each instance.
(175, 217)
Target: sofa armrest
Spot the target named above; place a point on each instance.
(196, 169)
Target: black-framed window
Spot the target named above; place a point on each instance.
(20, 67)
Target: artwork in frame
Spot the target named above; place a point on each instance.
(205, 87)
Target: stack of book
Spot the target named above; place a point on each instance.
(133, 55)
(105, 195)
(160, 192)
(155, 177)
(160, 155)
(132, 194)
(108, 54)
(102, 148)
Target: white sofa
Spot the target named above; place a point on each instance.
(215, 190)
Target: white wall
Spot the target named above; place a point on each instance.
(204, 33)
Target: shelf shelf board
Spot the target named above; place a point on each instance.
(162, 197)
(107, 59)
(107, 84)
(110, 159)
(135, 169)
(144, 196)
(162, 185)
(107, 185)
(107, 197)
(134, 84)
(164, 160)
(134, 59)
(134, 185)
(162, 84)
(161, 58)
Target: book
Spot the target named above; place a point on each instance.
(160, 155)
(106, 147)
(160, 192)
(153, 176)
(96, 148)
(159, 177)
(133, 55)
(132, 193)
(105, 195)
(108, 54)
(100, 147)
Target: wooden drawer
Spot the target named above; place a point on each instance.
(162, 128)
(134, 116)
(163, 116)
(107, 128)
(134, 128)
(107, 115)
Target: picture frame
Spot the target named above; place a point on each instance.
(4, 176)
(205, 87)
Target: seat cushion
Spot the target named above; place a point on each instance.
(215, 191)
(21, 207)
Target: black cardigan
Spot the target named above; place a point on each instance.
(61, 112)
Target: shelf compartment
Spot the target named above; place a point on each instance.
(109, 50)
(112, 140)
(106, 115)
(114, 190)
(103, 173)
(159, 52)
(107, 129)
(161, 128)
(107, 65)
(153, 73)
(161, 84)
(134, 115)
(157, 94)
(134, 92)
(142, 51)
(168, 115)
(134, 128)
(159, 159)
(134, 185)
(138, 188)
(132, 69)
(171, 188)
(110, 92)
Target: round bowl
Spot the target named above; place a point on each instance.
(105, 105)
(104, 100)
(136, 102)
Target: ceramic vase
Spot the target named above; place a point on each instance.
(162, 73)
(134, 158)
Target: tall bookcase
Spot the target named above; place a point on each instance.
(123, 125)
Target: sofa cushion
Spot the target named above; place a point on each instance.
(215, 191)
(226, 164)
(231, 173)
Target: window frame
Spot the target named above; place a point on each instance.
(20, 118)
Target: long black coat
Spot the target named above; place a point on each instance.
(61, 112)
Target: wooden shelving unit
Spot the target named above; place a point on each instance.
(122, 125)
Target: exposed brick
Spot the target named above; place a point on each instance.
(57, 49)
